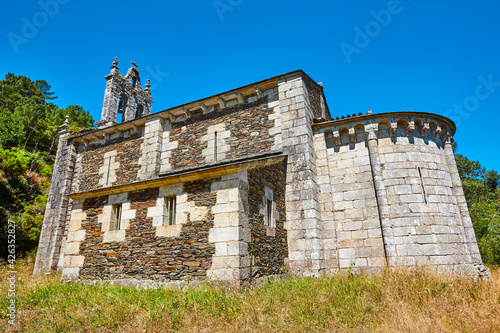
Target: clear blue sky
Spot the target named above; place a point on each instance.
(439, 56)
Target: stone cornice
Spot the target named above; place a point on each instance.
(387, 115)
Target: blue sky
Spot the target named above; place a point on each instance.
(439, 56)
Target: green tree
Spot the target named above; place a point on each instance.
(468, 168)
(475, 190)
(37, 118)
(491, 178)
(483, 199)
(29, 133)
(14, 162)
(11, 129)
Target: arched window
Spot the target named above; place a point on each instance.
(122, 106)
(139, 111)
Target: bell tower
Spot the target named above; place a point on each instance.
(124, 98)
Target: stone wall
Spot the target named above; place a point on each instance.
(387, 191)
(144, 253)
(359, 192)
(268, 248)
(110, 163)
(305, 242)
(351, 225)
(426, 227)
(53, 228)
(243, 131)
(316, 99)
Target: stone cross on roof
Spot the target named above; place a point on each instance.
(135, 65)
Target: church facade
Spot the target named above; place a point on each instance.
(249, 182)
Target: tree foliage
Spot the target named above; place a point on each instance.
(483, 198)
(33, 120)
(29, 134)
(491, 178)
(14, 162)
(468, 168)
(11, 129)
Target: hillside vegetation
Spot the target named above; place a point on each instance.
(29, 132)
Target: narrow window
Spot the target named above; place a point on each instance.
(122, 106)
(139, 110)
(170, 212)
(109, 169)
(215, 146)
(117, 216)
(422, 184)
(269, 212)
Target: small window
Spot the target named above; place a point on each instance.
(108, 171)
(117, 216)
(215, 146)
(170, 210)
(122, 106)
(139, 111)
(422, 184)
(269, 213)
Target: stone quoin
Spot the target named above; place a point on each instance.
(250, 181)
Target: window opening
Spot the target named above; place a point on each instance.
(117, 216)
(139, 110)
(109, 170)
(170, 214)
(122, 105)
(269, 212)
(215, 146)
(422, 184)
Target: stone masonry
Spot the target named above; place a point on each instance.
(252, 181)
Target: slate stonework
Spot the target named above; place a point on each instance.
(248, 124)
(128, 154)
(314, 93)
(143, 255)
(268, 252)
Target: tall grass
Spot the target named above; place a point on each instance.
(394, 301)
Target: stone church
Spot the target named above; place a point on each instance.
(249, 182)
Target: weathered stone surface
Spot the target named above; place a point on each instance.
(54, 223)
(268, 248)
(124, 95)
(194, 137)
(94, 157)
(416, 190)
(144, 253)
(262, 177)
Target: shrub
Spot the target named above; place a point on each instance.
(14, 162)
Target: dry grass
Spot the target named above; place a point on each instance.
(394, 301)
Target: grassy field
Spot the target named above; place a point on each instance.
(394, 301)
